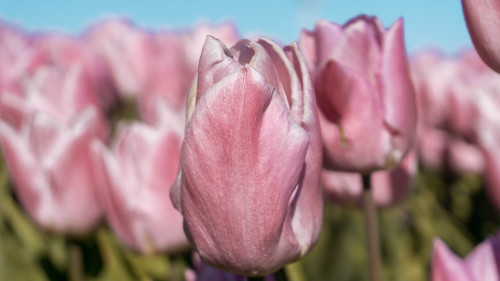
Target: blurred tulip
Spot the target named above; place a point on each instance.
(64, 52)
(60, 94)
(126, 50)
(248, 186)
(465, 157)
(51, 169)
(482, 264)
(446, 90)
(365, 93)
(483, 22)
(389, 187)
(134, 191)
(438, 149)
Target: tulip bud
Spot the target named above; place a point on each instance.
(483, 22)
(248, 186)
(365, 94)
(135, 183)
(51, 170)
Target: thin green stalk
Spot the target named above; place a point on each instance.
(372, 234)
(75, 272)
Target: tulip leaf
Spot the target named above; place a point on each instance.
(24, 229)
(16, 263)
(114, 267)
(148, 266)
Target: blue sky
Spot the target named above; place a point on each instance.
(436, 23)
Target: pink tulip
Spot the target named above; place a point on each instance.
(483, 22)
(51, 169)
(453, 97)
(365, 93)
(248, 186)
(64, 52)
(389, 187)
(482, 264)
(60, 94)
(134, 191)
(465, 157)
(126, 50)
(446, 90)
(57, 75)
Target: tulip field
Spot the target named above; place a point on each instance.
(199, 154)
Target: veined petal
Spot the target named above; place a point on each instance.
(216, 62)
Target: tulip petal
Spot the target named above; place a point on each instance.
(397, 92)
(29, 189)
(288, 77)
(482, 261)
(308, 215)
(254, 54)
(326, 35)
(358, 48)
(483, 22)
(108, 173)
(350, 112)
(70, 164)
(216, 62)
(446, 266)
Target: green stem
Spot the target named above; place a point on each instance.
(372, 234)
(75, 262)
(176, 268)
